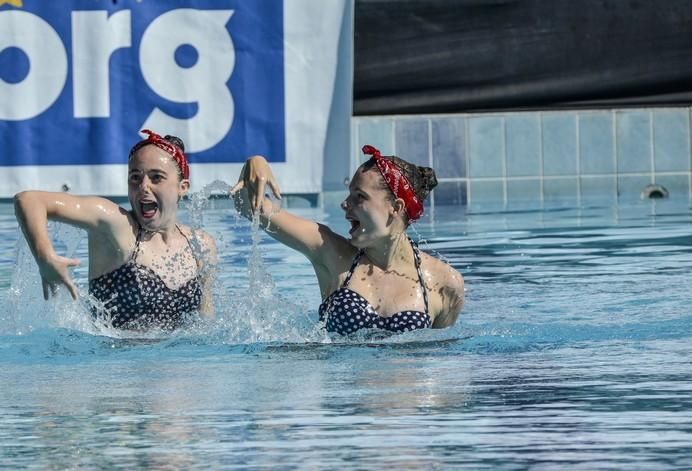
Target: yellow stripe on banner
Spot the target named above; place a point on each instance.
(14, 3)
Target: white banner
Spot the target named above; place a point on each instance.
(79, 79)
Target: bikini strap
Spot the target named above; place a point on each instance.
(200, 263)
(416, 257)
(187, 239)
(356, 259)
(138, 239)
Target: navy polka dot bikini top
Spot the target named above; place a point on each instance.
(345, 311)
(136, 297)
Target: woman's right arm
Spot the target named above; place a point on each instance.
(33, 209)
(316, 241)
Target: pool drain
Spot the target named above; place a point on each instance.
(654, 191)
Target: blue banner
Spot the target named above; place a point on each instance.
(79, 79)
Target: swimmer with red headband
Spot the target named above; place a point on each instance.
(146, 271)
(376, 278)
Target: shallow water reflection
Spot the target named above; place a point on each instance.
(337, 405)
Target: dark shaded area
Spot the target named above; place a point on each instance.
(437, 56)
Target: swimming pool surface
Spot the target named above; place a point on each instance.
(574, 350)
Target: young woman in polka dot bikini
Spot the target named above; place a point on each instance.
(378, 278)
(145, 270)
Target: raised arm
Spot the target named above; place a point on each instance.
(313, 240)
(33, 209)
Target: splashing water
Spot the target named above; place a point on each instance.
(257, 313)
(199, 202)
(249, 308)
(248, 311)
(25, 309)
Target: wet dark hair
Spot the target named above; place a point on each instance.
(175, 140)
(422, 179)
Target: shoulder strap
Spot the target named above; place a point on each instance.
(356, 259)
(135, 251)
(191, 244)
(416, 257)
(187, 239)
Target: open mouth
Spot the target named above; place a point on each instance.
(149, 209)
(354, 226)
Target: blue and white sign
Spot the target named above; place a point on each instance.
(79, 79)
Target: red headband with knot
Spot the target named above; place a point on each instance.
(397, 182)
(168, 147)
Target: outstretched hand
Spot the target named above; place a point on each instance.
(55, 272)
(254, 177)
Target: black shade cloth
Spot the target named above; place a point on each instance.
(441, 56)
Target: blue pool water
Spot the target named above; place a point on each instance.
(574, 350)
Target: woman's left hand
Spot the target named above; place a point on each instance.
(254, 176)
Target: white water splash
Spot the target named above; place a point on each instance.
(25, 309)
(255, 312)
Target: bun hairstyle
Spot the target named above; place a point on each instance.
(422, 179)
(175, 140)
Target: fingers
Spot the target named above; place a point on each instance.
(237, 187)
(275, 188)
(254, 177)
(259, 195)
(59, 274)
(72, 289)
(251, 195)
(66, 280)
(49, 289)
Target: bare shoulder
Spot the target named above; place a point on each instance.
(333, 260)
(337, 251)
(335, 241)
(204, 237)
(447, 284)
(199, 236)
(442, 272)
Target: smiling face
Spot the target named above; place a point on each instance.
(154, 188)
(369, 208)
